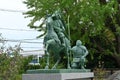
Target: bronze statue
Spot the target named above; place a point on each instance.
(79, 54)
(57, 44)
(55, 41)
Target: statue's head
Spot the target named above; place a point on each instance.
(56, 15)
(78, 42)
(49, 18)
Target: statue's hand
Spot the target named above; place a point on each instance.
(82, 57)
(63, 45)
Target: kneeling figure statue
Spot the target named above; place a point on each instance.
(79, 53)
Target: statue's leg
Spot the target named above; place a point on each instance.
(82, 63)
(68, 62)
(54, 67)
(47, 63)
(47, 54)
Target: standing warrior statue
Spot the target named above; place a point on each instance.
(79, 54)
(59, 26)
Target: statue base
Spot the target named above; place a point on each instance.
(58, 74)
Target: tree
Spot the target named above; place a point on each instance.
(112, 29)
(11, 67)
(96, 22)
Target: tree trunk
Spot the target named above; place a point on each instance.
(102, 1)
(117, 58)
(118, 44)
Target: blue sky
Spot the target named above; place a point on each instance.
(15, 20)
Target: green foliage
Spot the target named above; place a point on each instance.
(83, 14)
(99, 74)
(30, 67)
(95, 23)
(11, 68)
(87, 17)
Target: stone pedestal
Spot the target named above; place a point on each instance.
(63, 74)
